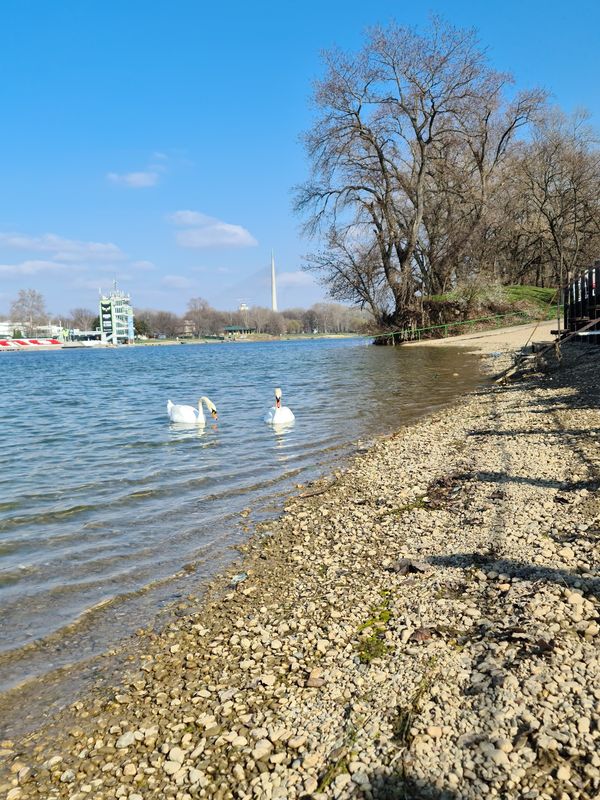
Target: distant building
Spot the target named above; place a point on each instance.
(116, 317)
(235, 331)
(6, 329)
(188, 327)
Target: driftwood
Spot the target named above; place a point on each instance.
(319, 491)
(554, 346)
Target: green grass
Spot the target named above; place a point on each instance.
(374, 646)
(536, 298)
(536, 295)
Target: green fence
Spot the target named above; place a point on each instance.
(416, 334)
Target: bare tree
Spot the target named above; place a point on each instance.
(158, 323)
(29, 307)
(82, 318)
(559, 177)
(409, 135)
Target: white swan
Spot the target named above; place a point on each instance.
(278, 414)
(178, 413)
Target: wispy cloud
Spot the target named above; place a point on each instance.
(298, 278)
(143, 266)
(33, 267)
(201, 231)
(62, 249)
(134, 180)
(144, 178)
(177, 282)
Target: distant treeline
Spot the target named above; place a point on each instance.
(201, 319)
(28, 311)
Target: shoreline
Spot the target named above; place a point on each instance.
(331, 661)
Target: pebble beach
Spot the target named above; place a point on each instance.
(423, 623)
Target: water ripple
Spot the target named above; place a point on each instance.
(104, 500)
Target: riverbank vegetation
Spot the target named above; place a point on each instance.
(430, 172)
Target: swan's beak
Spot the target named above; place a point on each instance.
(277, 402)
(214, 413)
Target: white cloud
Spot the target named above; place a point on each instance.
(134, 180)
(185, 218)
(202, 231)
(31, 267)
(177, 282)
(298, 278)
(62, 249)
(143, 265)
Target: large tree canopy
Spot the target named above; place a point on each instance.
(410, 135)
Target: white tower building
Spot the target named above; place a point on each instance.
(116, 317)
(273, 285)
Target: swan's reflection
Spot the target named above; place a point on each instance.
(186, 430)
(280, 431)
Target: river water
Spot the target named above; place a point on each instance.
(108, 511)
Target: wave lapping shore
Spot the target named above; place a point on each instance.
(422, 624)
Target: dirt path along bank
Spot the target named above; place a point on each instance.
(423, 624)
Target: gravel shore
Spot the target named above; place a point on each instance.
(424, 623)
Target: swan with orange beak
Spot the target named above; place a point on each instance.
(189, 414)
(278, 414)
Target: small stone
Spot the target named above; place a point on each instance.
(14, 794)
(194, 775)
(126, 740)
(176, 754)
(575, 599)
(68, 776)
(361, 779)
(583, 725)
(171, 767)
(239, 741)
(314, 680)
(563, 773)
(566, 552)
(52, 762)
(130, 770)
(505, 745)
(297, 742)
(592, 629)
(342, 780)
(499, 758)
(434, 731)
(24, 774)
(262, 749)
(311, 760)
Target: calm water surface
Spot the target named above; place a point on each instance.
(103, 500)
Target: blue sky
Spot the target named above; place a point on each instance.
(158, 140)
